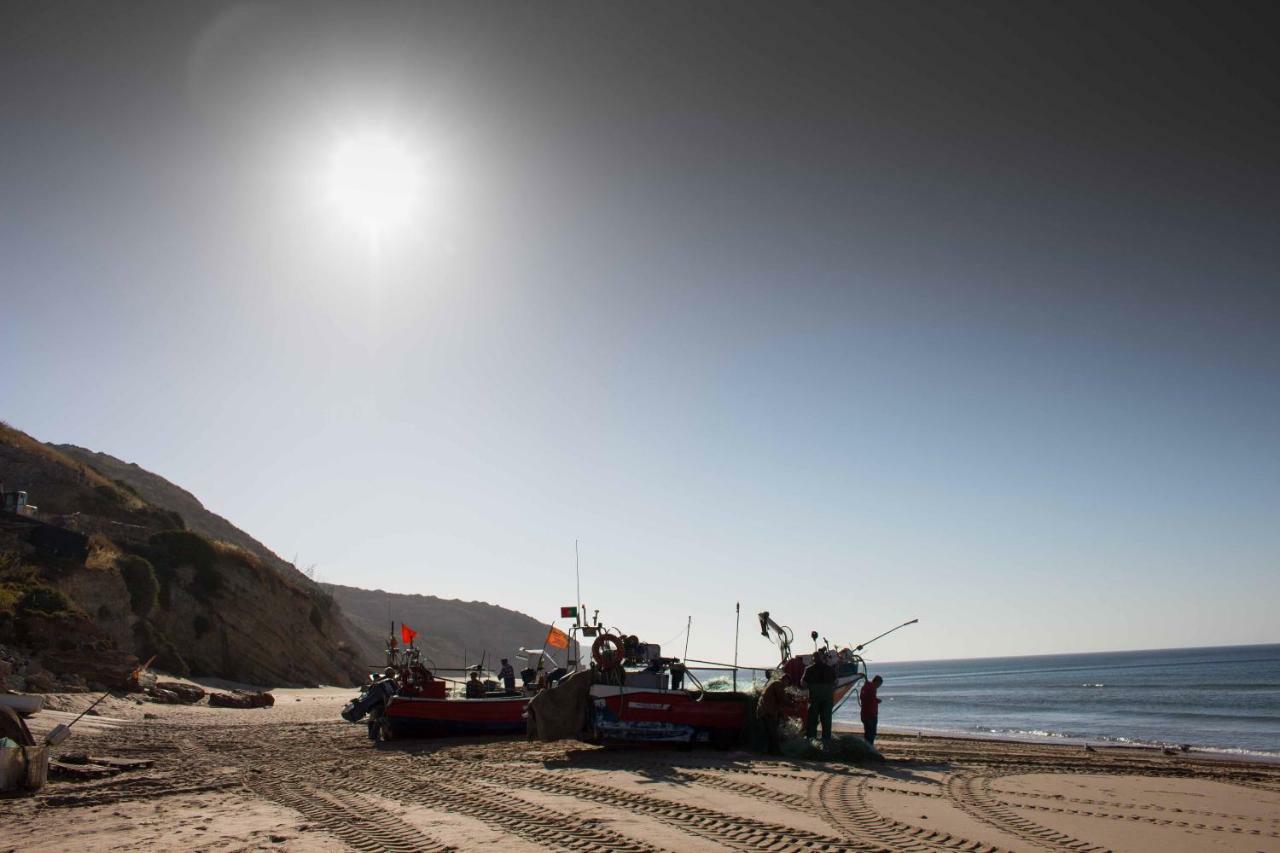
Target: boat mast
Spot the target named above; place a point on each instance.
(737, 622)
(577, 619)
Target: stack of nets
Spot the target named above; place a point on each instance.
(847, 749)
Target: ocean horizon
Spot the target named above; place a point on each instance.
(1220, 698)
(1215, 698)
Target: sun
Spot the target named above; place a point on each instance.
(373, 182)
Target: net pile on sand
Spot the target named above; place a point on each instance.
(847, 749)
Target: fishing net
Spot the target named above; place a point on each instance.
(846, 749)
(561, 712)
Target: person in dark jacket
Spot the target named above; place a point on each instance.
(508, 676)
(677, 670)
(870, 709)
(820, 679)
(769, 711)
(475, 689)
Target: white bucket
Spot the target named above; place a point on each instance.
(23, 768)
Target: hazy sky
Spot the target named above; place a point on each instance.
(854, 312)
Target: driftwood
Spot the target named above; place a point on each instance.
(175, 693)
(241, 699)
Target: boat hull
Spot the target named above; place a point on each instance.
(427, 718)
(25, 704)
(650, 715)
(644, 715)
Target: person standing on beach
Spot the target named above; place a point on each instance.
(508, 676)
(870, 709)
(769, 711)
(820, 678)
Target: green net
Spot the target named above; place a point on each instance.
(847, 749)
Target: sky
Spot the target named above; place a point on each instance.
(855, 313)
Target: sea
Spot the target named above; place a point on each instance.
(1221, 699)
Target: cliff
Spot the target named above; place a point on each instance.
(103, 577)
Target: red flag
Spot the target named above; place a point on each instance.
(407, 634)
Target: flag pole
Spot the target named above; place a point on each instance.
(543, 653)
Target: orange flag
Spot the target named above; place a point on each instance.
(557, 639)
(407, 634)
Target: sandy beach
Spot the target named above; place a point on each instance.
(295, 777)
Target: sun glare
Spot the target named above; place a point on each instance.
(373, 182)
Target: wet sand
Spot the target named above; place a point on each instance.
(295, 777)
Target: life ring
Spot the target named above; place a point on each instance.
(614, 643)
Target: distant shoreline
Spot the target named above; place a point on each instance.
(1042, 655)
(1219, 754)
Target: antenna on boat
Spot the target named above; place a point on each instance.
(737, 623)
(687, 627)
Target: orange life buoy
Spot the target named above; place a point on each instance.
(615, 648)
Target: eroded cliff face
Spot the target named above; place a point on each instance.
(101, 579)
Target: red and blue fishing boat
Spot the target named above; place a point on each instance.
(407, 699)
(641, 696)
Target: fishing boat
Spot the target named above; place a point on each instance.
(635, 701)
(25, 704)
(411, 699)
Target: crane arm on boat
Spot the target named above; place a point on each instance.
(862, 646)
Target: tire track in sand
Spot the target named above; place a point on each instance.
(1157, 821)
(842, 802)
(544, 826)
(748, 789)
(1058, 798)
(972, 793)
(731, 831)
(357, 821)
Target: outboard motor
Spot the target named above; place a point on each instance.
(374, 695)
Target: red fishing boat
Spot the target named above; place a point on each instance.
(637, 701)
(408, 699)
(421, 716)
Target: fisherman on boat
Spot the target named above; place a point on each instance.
(677, 671)
(475, 688)
(508, 676)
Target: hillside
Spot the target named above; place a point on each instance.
(102, 578)
(159, 492)
(448, 628)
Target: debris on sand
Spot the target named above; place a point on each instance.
(175, 693)
(81, 767)
(241, 699)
